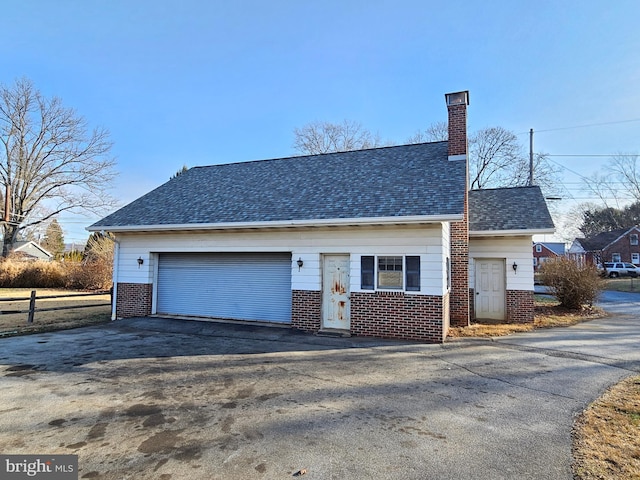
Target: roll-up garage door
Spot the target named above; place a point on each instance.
(251, 286)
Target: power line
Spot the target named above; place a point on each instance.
(584, 126)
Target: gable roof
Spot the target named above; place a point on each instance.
(31, 249)
(400, 183)
(509, 210)
(603, 239)
(556, 247)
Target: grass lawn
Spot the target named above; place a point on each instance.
(16, 323)
(624, 284)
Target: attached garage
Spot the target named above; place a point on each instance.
(242, 286)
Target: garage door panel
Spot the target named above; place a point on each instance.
(240, 286)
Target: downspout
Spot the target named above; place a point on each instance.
(116, 263)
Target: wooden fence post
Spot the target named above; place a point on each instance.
(32, 306)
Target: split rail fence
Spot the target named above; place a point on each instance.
(32, 303)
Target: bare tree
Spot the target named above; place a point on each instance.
(49, 161)
(619, 183)
(436, 132)
(326, 137)
(495, 156)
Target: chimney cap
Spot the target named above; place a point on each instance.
(457, 98)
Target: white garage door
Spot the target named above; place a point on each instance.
(240, 286)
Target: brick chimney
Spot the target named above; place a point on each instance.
(458, 151)
(457, 107)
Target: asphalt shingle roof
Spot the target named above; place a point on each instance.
(395, 181)
(517, 208)
(602, 240)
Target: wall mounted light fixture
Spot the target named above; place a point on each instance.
(515, 267)
(300, 263)
(140, 262)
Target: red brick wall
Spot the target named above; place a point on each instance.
(397, 315)
(457, 117)
(306, 310)
(623, 247)
(520, 306)
(133, 300)
(459, 299)
(377, 314)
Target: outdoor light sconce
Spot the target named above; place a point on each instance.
(140, 262)
(515, 267)
(300, 263)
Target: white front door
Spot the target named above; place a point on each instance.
(490, 289)
(335, 292)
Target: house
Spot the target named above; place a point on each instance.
(615, 246)
(31, 251)
(544, 251)
(384, 242)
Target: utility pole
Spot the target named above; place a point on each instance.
(531, 157)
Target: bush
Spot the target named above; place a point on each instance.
(573, 285)
(88, 275)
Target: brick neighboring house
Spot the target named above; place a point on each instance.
(616, 246)
(384, 242)
(544, 251)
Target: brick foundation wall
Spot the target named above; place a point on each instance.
(472, 303)
(306, 310)
(520, 306)
(398, 315)
(133, 300)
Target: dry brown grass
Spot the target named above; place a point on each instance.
(547, 315)
(16, 323)
(607, 435)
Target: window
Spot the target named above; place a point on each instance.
(633, 238)
(538, 248)
(635, 258)
(615, 257)
(535, 261)
(367, 273)
(390, 273)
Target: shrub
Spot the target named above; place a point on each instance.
(88, 275)
(572, 284)
(38, 274)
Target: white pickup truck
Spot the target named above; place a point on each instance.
(619, 269)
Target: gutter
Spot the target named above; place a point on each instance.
(400, 220)
(510, 233)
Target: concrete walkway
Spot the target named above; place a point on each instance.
(168, 399)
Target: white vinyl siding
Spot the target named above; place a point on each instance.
(430, 242)
(511, 249)
(232, 285)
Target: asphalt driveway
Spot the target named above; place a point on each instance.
(168, 399)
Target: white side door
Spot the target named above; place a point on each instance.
(490, 289)
(336, 305)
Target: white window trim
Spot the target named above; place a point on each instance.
(614, 256)
(404, 274)
(538, 248)
(632, 237)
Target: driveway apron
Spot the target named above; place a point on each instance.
(170, 399)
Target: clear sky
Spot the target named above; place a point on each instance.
(201, 82)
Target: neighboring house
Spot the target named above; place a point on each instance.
(615, 246)
(30, 251)
(384, 242)
(544, 251)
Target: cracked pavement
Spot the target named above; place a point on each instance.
(171, 400)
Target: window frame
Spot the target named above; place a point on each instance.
(410, 273)
(615, 256)
(637, 257)
(538, 248)
(633, 239)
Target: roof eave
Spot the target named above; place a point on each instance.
(511, 233)
(365, 221)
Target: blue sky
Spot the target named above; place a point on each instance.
(204, 82)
